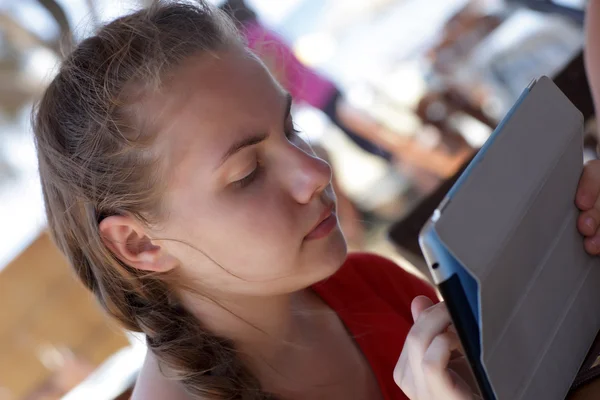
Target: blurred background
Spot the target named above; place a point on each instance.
(419, 85)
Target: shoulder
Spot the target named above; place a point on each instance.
(153, 385)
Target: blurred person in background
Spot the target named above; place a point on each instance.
(176, 185)
(463, 32)
(305, 84)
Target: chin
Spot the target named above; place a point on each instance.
(325, 256)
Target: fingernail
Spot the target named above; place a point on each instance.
(586, 200)
(590, 223)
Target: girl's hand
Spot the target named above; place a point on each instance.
(588, 201)
(431, 366)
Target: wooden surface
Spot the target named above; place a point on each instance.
(43, 307)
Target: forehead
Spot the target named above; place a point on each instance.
(216, 82)
(210, 101)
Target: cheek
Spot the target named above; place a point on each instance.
(255, 235)
(267, 220)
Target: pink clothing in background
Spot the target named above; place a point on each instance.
(304, 84)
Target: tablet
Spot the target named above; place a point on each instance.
(505, 253)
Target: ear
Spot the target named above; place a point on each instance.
(127, 239)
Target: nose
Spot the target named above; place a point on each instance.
(307, 176)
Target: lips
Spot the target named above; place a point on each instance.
(325, 224)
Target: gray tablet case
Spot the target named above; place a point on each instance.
(512, 225)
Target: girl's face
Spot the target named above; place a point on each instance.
(244, 189)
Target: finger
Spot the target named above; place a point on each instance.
(437, 356)
(589, 186)
(589, 221)
(430, 323)
(420, 304)
(452, 328)
(439, 379)
(401, 372)
(404, 377)
(462, 389)
(592, 245)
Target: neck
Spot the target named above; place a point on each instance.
(263, 328)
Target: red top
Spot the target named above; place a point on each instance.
(372, 297)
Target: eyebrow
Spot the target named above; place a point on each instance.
(255, 139)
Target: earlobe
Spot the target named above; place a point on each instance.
(128, 241)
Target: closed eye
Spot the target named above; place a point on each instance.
(248, 179)
(292, 133)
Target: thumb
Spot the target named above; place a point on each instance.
(420, 304)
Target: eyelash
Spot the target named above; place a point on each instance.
(248, 179)
(251, 177)
(292, 133)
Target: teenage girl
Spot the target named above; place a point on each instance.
(177, 187)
